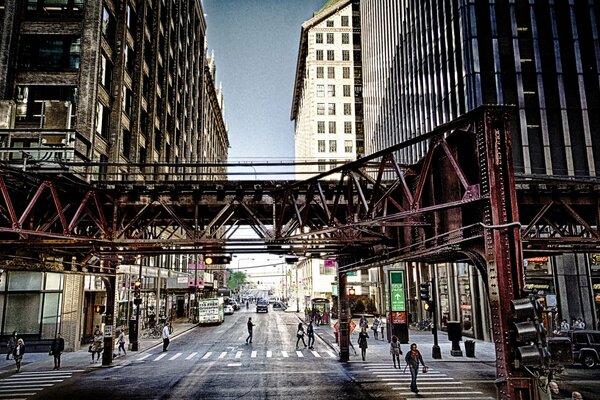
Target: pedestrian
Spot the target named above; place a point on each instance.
(18, 353)
(375, 328)
(311, 336)
(56, 349)
(382, 327)
(395, 350)
(362, 342)
(247, 305)
(363, 322)
(576, 396)
(554, 391)
(300, 335)
(97, 344)
(166, 332)
(413, 358)
(250, 326)
(11, 344)
(564, 325)
(121, 341)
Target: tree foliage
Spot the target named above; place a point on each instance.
(236, 279)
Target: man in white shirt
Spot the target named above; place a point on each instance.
(165, 335)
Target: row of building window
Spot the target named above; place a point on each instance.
(330, 38)
(331, 55)
(333, 127)
(321, 146)
(331, 72)
(347, 90)
(331, 109)
(322, 168)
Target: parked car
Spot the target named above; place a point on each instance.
(586, 347)
(278, 306)
(262, 305)
(228, 309)
(234, 304)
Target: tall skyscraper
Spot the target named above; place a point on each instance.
(327, 105)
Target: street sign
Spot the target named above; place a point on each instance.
(352, 326)
(397, 293)
(108, 331)
(336, 326)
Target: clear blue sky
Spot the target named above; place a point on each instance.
(256, 48)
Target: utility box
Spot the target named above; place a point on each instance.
(455, 336)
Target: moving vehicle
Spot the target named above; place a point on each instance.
(262, 305)
(228, 310)
(234, 304)
(585, 345)
(211, 311)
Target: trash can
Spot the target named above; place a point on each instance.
(470, 348)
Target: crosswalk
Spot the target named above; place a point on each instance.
(24, 384)
(236, 355)
(434, 385)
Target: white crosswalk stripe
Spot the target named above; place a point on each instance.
(434, 385)
(239, 355)
(24, 384)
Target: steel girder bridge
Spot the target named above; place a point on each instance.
(460, 202)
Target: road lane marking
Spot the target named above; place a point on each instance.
(330, 354)
(253, 355)
(408, 379)
(160, 357)
(175, 356)
(285, 354)
(191, 355)
(316, 354)
(269, 354)
(143, 358)
(238, 354)
(299, 353)
(223, 354)
(235, 365)
(20, 386)
(207, 355)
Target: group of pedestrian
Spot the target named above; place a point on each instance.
(556, 395)
(15, 347)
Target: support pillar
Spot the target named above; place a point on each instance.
(344, 319)
(109, 324)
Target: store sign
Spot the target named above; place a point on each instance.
(399, 317)
(397, 292)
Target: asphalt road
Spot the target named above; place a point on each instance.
(213, 362)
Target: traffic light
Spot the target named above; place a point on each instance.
(429, 306)
(528, 333)
(424, 289)
(217, 260)
(99, 308)
(351, 292)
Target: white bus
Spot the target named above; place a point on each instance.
(210, 311)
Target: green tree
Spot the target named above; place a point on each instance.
(236, 280)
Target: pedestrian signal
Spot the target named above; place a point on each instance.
(99, 308)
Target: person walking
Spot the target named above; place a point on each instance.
(363, 322)
(166, 333)
(18, 353)
(362, 342)
(121, 341)
(56, 349)
(300, 335)
(250, 326)
(375, 328)
(413, 359)
(395, 350)
(97, 344)
(311, 336)
(11, 344)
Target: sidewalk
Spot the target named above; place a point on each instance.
(380, 349)
(81, 359)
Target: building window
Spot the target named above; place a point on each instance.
(330, 55)
(333, 146)
(331, 72)
(319, 38)
(331, 109)
(320, 126)
(332, 127)
(347, 127)
(126, 145)
(106, 70)
(58, 8)
(347, 108)
(346, 72)
(49, 53)
(330, 23)
(323, 270)
(346, 55)
(127, 100)
(102, 120)
(320, 72)
(321, 146)
(348, 146)
(346, 90)
(320, 108)
(322, 165)
(320, 55)
(331, 90)
(131, 20)
(320, 90)
(345, 38)
(344, 20)
(129, 59)
(109, 26)
(330, 38)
